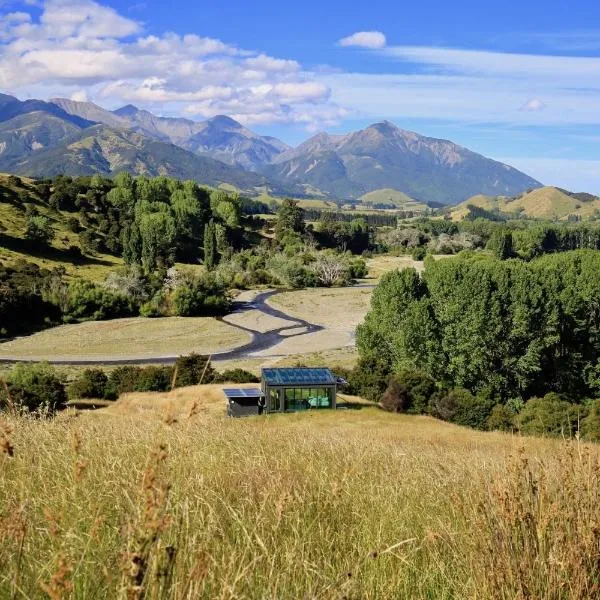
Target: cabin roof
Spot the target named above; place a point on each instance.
(242, 393)
(298, 376)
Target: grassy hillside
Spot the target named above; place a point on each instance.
(548, 203)
(162, 496)
(14, 200)
(392, 197)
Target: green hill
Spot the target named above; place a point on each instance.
(547, 203)
(17, 196)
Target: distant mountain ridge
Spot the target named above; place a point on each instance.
(220, 137)
(385, 156)
(41, 138)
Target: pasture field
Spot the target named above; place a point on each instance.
(132, 337)
(162, 496)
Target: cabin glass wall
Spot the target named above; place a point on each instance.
(273, 400)
(306, 398)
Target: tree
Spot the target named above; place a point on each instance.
(290, 218)
(501, 243)
(210, 246)
(510, 329)
(39, 230)
(330, 268)
(157, 234)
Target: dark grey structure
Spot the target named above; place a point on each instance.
(243, 402)
(293, 389)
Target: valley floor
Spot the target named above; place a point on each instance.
(163, 496)
(265, 328)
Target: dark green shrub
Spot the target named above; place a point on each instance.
(89, 301)
(420, 388)
(154, 379)
(419, 253)
(157, 306)
(202, 296)
(473, 411)
(590, 425)
(369, 379)
(90, 384)
(396, 396)
(238, 376)
(550, 415)
(501, 419)
(461, 407)
(192, 370)
(122, 381)
(34, 387)
(358, 268)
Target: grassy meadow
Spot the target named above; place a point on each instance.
(125, 338)
(162, 496)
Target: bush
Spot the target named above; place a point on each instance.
(89, 301)
(461, 407)
(124, 380)
(157, 306)
(419, 253)
(154, 379)
(200, 296)
(90, 384)
(420, 389)
(358, 268)
(34, 387)
(590, 425)
(550, 415)
(369, 379)
(238, 376)
(473, 411)
(501, 419)
(192, 370)
(395, 397)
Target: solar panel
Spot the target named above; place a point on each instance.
(301, 375)
(242, 392)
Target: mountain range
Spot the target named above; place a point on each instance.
(42, 139)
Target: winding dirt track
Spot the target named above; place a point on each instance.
(260, 340)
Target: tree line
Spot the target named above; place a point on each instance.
(503, 332)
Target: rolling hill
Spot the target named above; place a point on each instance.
(548, 203)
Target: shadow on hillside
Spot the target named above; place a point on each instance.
(348, 404)
(72, 255)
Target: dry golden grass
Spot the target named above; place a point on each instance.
(340, 309)
(161, 496)
(133, 337)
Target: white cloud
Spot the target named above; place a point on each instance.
(364, 39)
(80, 44)
(79, 96)
(534, 105)
(474, 86)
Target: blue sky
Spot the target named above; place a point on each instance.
(519, 82)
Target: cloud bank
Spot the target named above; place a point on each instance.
(80, 44)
